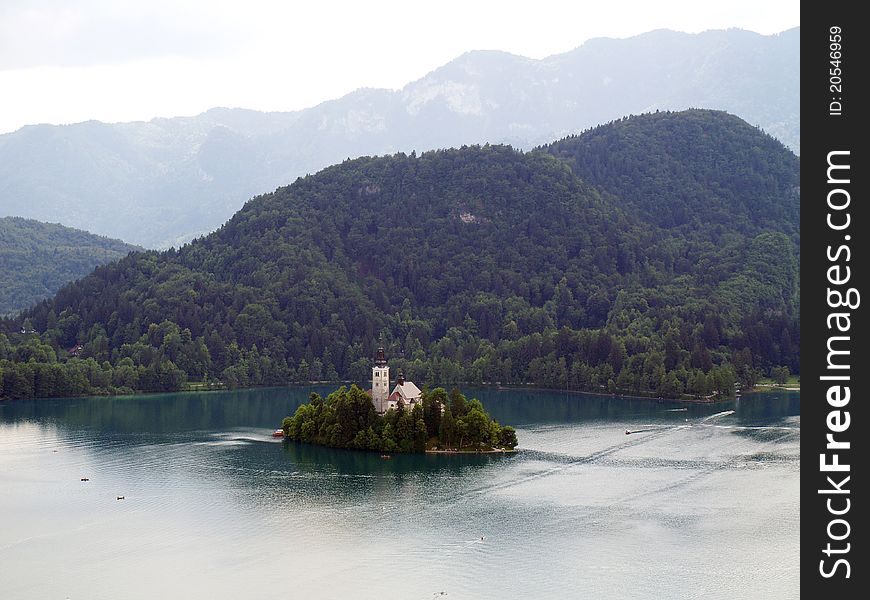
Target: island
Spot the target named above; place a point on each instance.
(436, 422)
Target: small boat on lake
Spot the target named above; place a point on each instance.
(278, 433)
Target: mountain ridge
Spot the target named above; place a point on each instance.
(174, 179)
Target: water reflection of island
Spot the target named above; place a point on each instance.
(315, 458)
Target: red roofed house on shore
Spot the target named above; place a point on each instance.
(404, 391)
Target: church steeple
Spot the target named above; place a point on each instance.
(405, 392)
(380, 381)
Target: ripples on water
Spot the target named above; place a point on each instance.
(699, 503)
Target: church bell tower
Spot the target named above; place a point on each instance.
(380, 381)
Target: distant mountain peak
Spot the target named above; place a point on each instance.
(162, 182)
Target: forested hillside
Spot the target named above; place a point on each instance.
(702, 173)
(478, 264)
(36, 259)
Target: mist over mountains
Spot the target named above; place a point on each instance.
(163, 182)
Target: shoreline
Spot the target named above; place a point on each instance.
(386, 455)
(766, 388)
(759, 389)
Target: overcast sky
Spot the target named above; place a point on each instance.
(65, 61)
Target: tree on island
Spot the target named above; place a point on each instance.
(346, 418)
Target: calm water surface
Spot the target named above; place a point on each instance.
(702, 502)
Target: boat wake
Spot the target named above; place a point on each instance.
(703, 473)
(647, 430)
(724, 413)
(583, 460)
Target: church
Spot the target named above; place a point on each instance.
(382, 398)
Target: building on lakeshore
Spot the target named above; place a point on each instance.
(384, 399)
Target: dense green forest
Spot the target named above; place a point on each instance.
(696, 174)
(669, 268)
(347, 419)
(36, 259)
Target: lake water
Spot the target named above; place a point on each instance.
(700, 503)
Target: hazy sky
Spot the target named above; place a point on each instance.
(64, 61)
